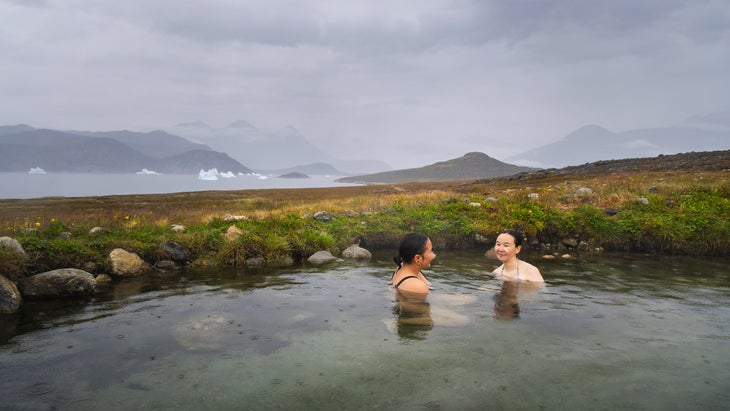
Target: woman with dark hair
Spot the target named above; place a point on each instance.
(414, 254)
(506, 248)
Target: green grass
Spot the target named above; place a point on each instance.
(685, 214)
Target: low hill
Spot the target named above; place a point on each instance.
(471, 165)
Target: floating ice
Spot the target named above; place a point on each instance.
(145, 171)
(36, 170)
(213, 174)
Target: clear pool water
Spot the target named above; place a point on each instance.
(605, 332)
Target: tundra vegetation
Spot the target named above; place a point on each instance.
(648, 212)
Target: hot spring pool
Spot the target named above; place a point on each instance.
(605, 332)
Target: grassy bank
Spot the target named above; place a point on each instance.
(659, 212)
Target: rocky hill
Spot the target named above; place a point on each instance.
(471, 165)
(682, 162)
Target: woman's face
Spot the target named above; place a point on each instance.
(505, 248)
(427, 255)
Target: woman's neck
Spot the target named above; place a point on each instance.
(511, 266)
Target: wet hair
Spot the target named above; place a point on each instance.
(410, 246)
(516, 235)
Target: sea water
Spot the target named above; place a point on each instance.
(34, 185)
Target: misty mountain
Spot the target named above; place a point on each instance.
(470, 166)
(594, 143)
(157, 143)
(270, 150)
(57, 151)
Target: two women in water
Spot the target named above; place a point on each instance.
(415, 253)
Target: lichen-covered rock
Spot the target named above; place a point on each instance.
(13, 245)
(10, 298)
(126, 264)
(61, 282)
(323, 216)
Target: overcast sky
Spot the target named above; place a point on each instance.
(409, 82)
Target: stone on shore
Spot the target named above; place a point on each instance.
(126, 264)
(355, 252)
(321, 257)
(10, 298)
(13, 245)
(61, 282)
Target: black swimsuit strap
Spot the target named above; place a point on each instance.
(404, 278)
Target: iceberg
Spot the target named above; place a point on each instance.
(213, 174)
(145, 171)
(36, 170)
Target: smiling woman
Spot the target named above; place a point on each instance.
(506, 248)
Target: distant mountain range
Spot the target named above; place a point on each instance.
(470, 166)
(23, 147)
(285, 149)
(594, 143)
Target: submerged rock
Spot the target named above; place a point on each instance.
(206, 332)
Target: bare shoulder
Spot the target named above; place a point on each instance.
(532, 273)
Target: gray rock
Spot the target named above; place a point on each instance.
(126, 264)
(10, 298)
(323, 216)
(255, 262)
(583, 191)
(321, 257)
(570, 242)
(96, 230)
(61, 282)
(355, 252)
(644, 200)
(175, 252)
(177, 228)
(13, 245)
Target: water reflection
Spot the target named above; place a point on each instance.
(413, 316)
(506, 305)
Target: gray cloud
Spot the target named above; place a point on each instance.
(419, 81)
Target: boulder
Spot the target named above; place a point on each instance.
(323, 216)
(10, 298)
(233, 233)
(177, 228)
(126, 264)
(355, 252)
(321, 257)
(13, 245)
(61, 282)
(175, 252)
